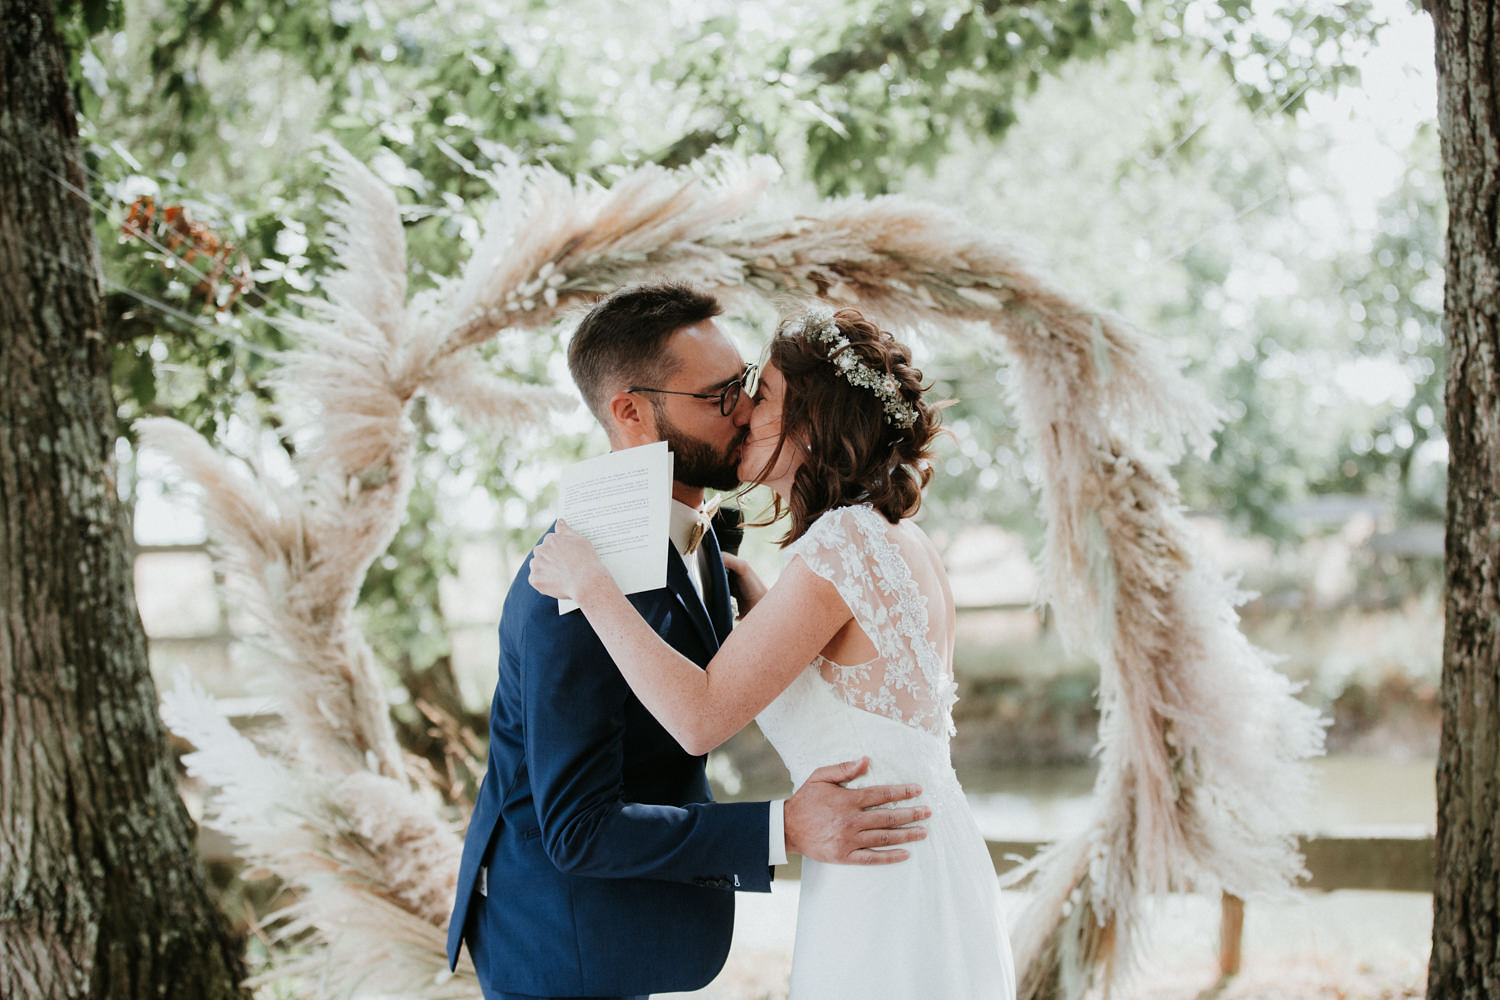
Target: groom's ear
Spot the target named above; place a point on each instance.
(632, 417)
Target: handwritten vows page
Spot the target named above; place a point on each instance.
(621, 502)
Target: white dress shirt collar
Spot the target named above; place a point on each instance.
(684, 519)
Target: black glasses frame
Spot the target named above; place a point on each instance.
(728, 398)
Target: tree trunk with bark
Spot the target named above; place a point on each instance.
(1465, 962)
(102, 892)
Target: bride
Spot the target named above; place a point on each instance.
(849, 654)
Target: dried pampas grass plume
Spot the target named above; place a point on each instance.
(326, 802)
(1201, 740)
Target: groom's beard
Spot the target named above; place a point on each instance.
(696, 463)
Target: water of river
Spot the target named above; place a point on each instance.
(1353, 794)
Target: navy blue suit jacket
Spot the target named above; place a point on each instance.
(609, 867)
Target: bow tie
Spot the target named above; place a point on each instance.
(701, 525)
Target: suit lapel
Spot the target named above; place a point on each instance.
(681, 586)
(716, 588)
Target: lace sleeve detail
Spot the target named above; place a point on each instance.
(907, 681)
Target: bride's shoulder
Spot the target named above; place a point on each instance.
(841, 522)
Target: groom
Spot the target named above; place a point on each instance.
(596, 862)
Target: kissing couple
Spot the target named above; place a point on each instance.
(596, 862)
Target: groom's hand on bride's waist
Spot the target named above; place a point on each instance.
(827, 822)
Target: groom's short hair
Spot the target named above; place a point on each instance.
(623, 339)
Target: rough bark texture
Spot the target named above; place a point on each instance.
(1466, 895)
(102, 893)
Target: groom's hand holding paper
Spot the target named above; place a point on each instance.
(621, 502)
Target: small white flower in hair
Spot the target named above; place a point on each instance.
(817, 324)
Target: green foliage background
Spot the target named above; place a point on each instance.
(1151, 151)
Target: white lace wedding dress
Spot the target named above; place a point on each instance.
(928, 928)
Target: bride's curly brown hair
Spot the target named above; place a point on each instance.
(853, 455)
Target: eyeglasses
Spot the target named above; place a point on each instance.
(728, 398)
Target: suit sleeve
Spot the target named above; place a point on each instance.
(574, 717)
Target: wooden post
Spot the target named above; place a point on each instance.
(1231, 929)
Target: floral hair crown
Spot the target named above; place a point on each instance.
(817, 324)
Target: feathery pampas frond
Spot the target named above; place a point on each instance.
(326, 802)
(1201, 741)
(550, 242)
(369, 246)
(361, 850)
(483, 399)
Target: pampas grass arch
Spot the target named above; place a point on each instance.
(1200, 741)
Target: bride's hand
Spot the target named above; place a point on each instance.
(744, 583)
(564, 563)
